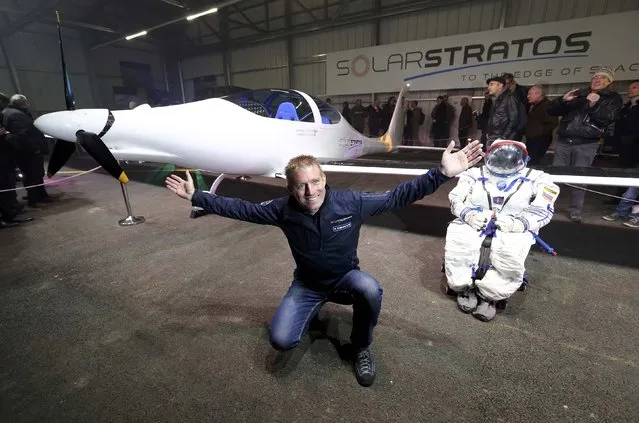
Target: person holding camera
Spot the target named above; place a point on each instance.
(585, 115)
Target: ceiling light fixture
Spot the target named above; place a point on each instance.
(139, 34)
(197, 15)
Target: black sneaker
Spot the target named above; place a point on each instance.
(365, 367)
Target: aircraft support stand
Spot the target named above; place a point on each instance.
(130, 219)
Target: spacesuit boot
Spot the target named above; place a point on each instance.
(467, 300)
(485, 310)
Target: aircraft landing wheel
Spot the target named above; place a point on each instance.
(501, 304)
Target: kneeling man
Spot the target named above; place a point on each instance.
(322, 227)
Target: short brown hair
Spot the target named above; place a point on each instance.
(301, 162)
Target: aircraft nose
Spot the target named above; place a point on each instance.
(64, 125)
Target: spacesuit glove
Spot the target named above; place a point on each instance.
(507, 223)
(478, 219)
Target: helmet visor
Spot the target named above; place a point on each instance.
(505, 159)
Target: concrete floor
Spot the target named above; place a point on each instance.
(166, 321)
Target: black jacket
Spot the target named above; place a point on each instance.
(540, 124)
(482, 118)
(628, 124)
(7, 159)
(5, 147)
(521, 93)
(582, 123)
(25, 137)
(465, 118)
(504, 120)
(324, 245)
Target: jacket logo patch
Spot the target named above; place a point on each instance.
(343, 219)
(549, 194)
(342, 227)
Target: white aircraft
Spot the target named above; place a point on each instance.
(248, 133)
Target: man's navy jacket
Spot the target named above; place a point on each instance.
(324, 245)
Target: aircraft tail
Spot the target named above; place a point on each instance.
(393, 136)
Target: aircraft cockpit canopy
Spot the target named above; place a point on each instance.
(283, 104)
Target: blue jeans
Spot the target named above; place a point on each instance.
(625, 206)
(302, 303)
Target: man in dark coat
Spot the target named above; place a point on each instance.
(30, 146)
(586, 113)
(539, 126)
(9, 207)
(504, 118)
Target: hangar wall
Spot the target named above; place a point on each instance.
(303, 66)
(267, 64)
(105, 62)
(297, 61)
(34, 55)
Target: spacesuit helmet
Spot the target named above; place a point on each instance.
(506, 157)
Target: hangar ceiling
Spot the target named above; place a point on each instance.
(237, 22)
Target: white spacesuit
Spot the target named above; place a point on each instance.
(521, 199)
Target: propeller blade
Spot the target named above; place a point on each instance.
(95, 147)
(62, 151)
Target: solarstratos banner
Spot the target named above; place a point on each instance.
(555, 52)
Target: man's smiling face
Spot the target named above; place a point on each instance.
(308, 186)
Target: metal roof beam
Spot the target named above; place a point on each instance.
(367, 16)
(221, 5)
(29, 17)
(307, 10)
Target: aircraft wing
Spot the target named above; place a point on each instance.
(559, 174)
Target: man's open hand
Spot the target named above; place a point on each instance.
(455, 163)
(570, 95)
(179, 186)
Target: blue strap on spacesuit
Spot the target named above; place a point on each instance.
(491, 230)
(543, 244)
(467, 210)
(512, 184)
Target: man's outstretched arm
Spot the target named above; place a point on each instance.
(414, 190)
(266, 213)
